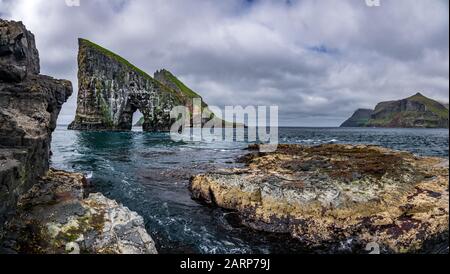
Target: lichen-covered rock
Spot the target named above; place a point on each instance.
(29, 107)
(111, 90)
(54, 217)
(18, 53)
(337, 196)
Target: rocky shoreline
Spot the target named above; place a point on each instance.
(58, 216)
(336, 197)
(42, 210)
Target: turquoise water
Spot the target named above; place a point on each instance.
(149, 173)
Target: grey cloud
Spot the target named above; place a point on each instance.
(317, 60)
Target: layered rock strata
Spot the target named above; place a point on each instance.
(337, 196)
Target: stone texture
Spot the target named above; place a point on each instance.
(50, 214)
(337, 197)
(18, 53)
(56, 217)
(29, 107)
(111, 90)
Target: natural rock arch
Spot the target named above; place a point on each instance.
(111, 90)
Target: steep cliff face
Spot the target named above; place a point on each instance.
(171, 81)
(111, 90)
(359, 118)
(59, 216)
(29, 107)
(416, 111)
(18, 53)
(44, 211)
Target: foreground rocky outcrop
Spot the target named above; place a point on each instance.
(58, 216)
(416, 111)
(337, 197)
(42, 211)
(29, 107)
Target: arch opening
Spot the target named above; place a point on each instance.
(138, 120)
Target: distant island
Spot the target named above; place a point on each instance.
(416, 111)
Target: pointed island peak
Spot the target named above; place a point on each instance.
(87, 43)
(169, 79)
(417, 111)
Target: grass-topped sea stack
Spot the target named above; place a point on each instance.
(111, 90)
(166, 78)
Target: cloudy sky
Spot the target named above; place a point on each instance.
(318, 60)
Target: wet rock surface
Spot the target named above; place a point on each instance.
(58, 216)
(338, 198)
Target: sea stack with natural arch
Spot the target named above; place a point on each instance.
(111, 90)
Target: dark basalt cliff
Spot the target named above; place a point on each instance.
(42, 210)
(416, 111)
(29, 107)
(19, 56)
(111, 90)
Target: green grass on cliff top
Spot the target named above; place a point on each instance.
(186, 90)
(115, 56)
(431, 105)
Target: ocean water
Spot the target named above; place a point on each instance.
(149, 173)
